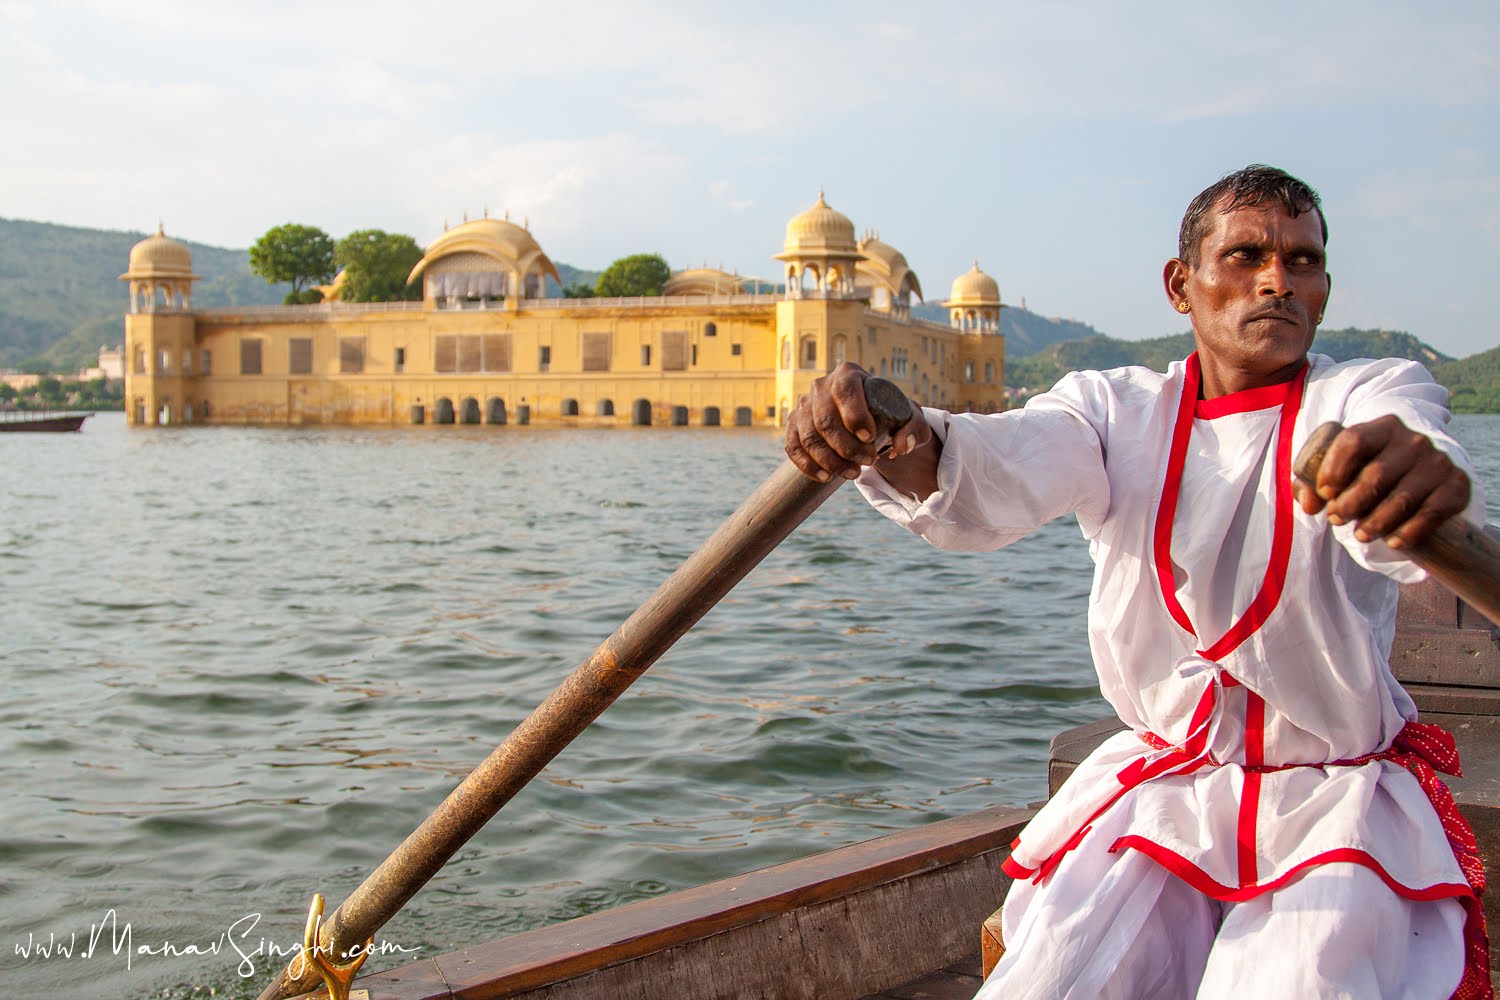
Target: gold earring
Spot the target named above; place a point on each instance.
(1183, 307)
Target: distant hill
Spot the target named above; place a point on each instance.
(1474, 382)
(1043, 369)
(1025, 332)
(60, 297)
(61, 300)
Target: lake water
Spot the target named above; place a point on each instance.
(240, 665)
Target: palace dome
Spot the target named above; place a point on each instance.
(820, 229)
(974, 288)
(504, 244)
(886, 264)
(703, 281)
(159, 256)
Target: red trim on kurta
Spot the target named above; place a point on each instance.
(1209, 886)
(1244, 401)
(1166, 511)
(1281, 537)
(1194, 747)
(1269, 595)
(1424, 750)
(1015, 869)
(1255, 756)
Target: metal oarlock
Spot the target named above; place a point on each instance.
(337, 978)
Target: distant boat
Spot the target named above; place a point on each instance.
(41, 420)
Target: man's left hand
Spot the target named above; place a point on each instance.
(1392, 482)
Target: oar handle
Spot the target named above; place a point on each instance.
(771, 513)
(1461, 555)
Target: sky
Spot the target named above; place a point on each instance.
(1056, 143)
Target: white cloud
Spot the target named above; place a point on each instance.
(1009, 129)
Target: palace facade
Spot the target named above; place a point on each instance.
(486, 344)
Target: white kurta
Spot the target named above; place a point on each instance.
(1231, 632)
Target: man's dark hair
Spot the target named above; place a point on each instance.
(1254, 185)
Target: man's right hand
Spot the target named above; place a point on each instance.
(831, 433)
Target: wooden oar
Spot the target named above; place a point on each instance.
(781, 503)
(1459, 554)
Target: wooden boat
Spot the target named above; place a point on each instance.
(901, 916)
(41, 420)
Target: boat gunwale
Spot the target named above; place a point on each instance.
(549, 955)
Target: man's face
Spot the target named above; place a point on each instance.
(1256, 295)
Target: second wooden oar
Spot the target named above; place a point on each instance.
(1459, 555)
(781, 503)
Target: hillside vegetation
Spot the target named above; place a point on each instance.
(1474, 382)
(1042, 369)
(61, 298)
(1025, 332)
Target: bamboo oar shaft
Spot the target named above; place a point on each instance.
(1459, 555)
(771, 513)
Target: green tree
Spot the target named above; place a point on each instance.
(376, 264)
(7, 392)
(300, 254)
(578, 290)
(50, 391)
(306, 297)
(637, 274)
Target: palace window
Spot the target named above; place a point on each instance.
(736, 350)
(470, 355)
(496, 352)
(674, 351)
(445, 353)
(399, 362)
(544, 359)
(300, 355)
(596, 352)
(645, 355)
(250, 356)
(351, 355)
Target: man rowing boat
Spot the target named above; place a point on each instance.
(1272, 822)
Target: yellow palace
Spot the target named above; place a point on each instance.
(485, 346)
